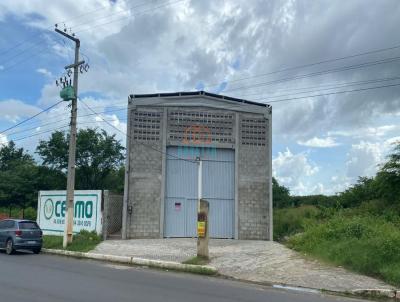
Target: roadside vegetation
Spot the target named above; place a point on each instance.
(197, 261)
(99, 165)
(358, 229)
(83, 242)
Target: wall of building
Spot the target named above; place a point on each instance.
(249, 136)
(253, 177)
(145, 174)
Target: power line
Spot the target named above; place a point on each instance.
(52, 123)
(39, 133)
(311, 64)
(96, 25)
(331, 93)
(39, 52)
(123, 18)
(259, 94)
(138, 142)
(54, 129)
(323, 72)
(113, 14)
(335, 87)
(273, 101)
(30, 118)
(50, 27)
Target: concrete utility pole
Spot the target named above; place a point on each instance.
(199, 182)
(69, 218)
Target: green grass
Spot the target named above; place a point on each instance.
(83, 242)
(365, 243)
(290, 221)
(197, 261)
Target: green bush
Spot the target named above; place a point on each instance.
(289, 221)
(30, 213)
(366, 244)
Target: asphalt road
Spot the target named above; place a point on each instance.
(30, 278)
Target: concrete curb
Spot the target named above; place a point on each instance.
(385, 293)
(210, 270)
(199, 269)
(356, 293)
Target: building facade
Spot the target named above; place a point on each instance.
(167, 135)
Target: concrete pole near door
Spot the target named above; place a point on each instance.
(203, 229)
(202, 215)
(199, 182)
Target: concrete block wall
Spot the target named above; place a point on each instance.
(145, 180)
(253, 189)
(253, 177)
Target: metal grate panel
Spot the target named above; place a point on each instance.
(254, 131)
(201, 126)
(146, 125)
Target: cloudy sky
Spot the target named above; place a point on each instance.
(297, 55)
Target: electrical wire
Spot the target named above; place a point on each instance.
(50, 27)
(138, 14)
(39, 133)
(322, 86)
(310, 64)
(110, 15)
(335, 87)
(111, 125)
(323, 72)
(336, 92)
(95, 26)
(138, 142)
(30, 118)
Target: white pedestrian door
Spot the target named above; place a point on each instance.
(218, 181)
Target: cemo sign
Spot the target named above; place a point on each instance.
(52, 210)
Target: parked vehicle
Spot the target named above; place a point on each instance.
(20, 234)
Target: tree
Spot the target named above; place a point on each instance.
(280, 195)
(364, 190)
(99, 157)
(17, 177)
(388, 178)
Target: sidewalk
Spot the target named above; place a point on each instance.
(256, 261)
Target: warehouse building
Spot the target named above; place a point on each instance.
(167, 134)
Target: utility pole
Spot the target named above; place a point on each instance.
(199, 181)
(69, 218)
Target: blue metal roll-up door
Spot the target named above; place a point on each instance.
(181, 192)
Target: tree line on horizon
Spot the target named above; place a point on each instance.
(99, 165)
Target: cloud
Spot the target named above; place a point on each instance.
(44, 71)
(13, 110)
(3, 140)
(214, 44)
(319, 142)
(292, 170)
(365, 158)
(367, 132)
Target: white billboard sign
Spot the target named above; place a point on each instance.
(52, 210)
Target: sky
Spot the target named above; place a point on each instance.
(299, 56)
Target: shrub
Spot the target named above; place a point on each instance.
(290, 221)
(366, 244)
(30, 213)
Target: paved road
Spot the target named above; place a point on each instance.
(30, 278)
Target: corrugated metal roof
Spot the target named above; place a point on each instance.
(195, 93)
